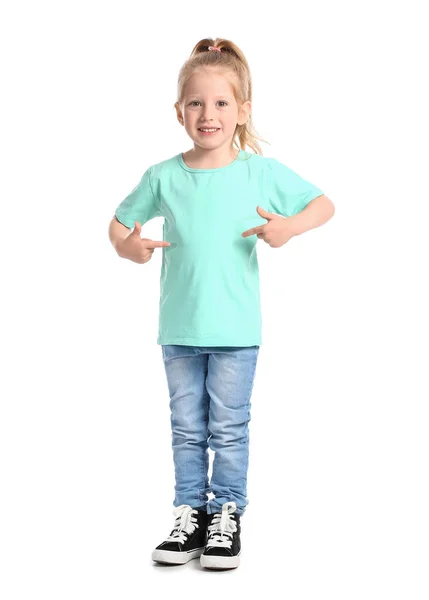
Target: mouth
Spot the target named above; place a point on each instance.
(208, 131)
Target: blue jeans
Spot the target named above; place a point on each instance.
(210, 389)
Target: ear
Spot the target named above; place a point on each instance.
(178, 113)
(244, 112)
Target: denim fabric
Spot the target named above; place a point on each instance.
(210, 389)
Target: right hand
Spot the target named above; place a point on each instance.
(138, 249)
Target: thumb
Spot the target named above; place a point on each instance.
(137, 228)
(264, 213)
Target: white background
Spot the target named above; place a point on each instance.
(338, 475)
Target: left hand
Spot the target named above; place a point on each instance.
(276, 232)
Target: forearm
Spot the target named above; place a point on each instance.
(117, 232)
(316, 213)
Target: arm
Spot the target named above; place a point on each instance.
(316, 213)
(117, 232)
(280, 230)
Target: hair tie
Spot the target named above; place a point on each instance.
(215, 48)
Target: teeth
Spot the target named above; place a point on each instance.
(209, 129)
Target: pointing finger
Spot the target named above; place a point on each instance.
(153, 244)
(253, 230)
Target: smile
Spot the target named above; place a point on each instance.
(209, 131)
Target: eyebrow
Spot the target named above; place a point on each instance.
(217, 96)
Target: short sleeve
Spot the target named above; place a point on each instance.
(288, 193)
(140, 204)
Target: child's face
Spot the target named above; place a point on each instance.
(208, 101)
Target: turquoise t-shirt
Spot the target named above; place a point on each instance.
(209, 285)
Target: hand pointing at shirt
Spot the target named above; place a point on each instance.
(138, 249)
(275, 233)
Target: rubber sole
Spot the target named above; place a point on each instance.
(219, 562)
(172, 557)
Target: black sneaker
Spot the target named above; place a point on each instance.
(223, 546)
(187, 539)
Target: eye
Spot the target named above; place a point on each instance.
(193, 102)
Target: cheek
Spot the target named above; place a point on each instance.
(230, 121)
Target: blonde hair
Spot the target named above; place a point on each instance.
(231, 61)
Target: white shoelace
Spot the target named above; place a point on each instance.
(184, 525)
(222, 527)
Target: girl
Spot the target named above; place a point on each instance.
(210, 317)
